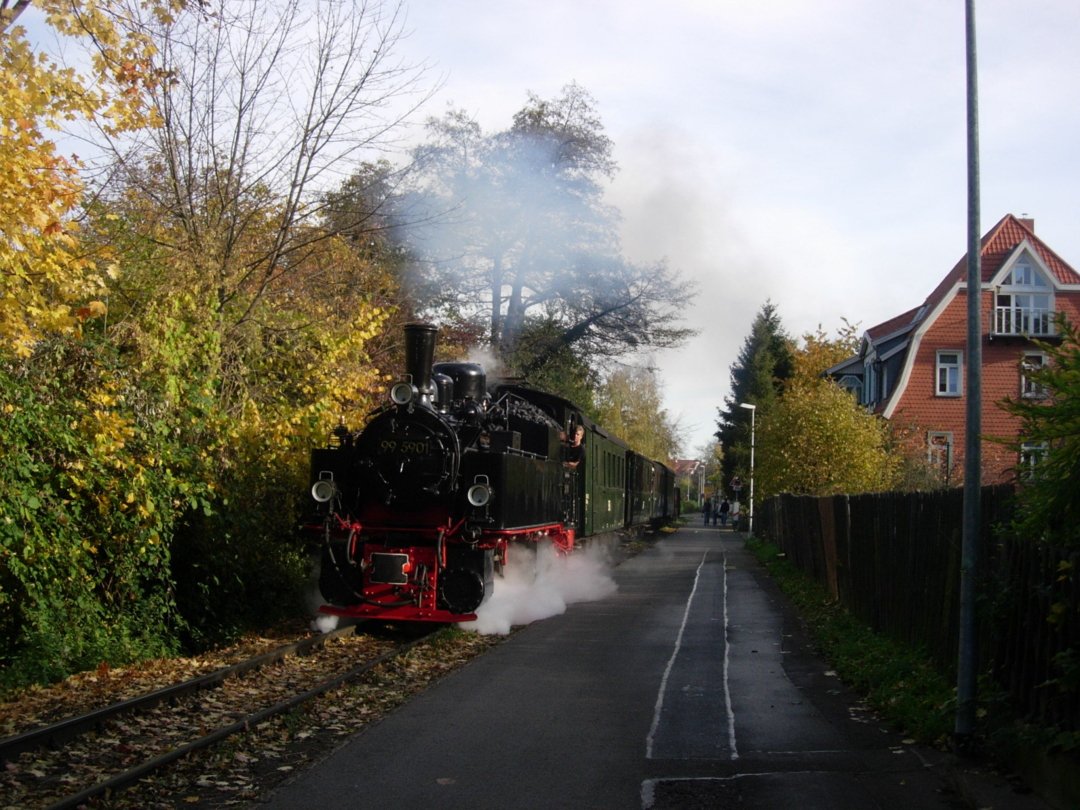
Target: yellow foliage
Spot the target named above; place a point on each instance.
(43, 273)
(630, 405)
(817, 441)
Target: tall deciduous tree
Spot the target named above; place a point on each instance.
(514, 225)
(266, 102)
(242, 289)
(566, 373)
(630, 405)
(758, 377)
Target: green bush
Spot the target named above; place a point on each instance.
(85, 519)
(242, 566)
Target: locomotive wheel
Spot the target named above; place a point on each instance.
(462, 590)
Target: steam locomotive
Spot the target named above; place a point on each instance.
(416, 513)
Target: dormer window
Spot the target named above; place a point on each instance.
(853, 385)
(868, 377)
(1024, 274)
(1024, 302)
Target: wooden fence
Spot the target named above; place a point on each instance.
(893, 560)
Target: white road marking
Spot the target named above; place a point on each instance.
(671, 662)
(727, 684)
(658, 708)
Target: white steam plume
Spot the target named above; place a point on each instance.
(487, 360)
(537, 586)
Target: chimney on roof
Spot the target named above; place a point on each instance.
(1027, 222)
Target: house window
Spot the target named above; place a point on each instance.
(853, 384)
(949, 366)
(1029, 363)
(1024, 304)
(939, 446)
(1032, 455)
(1024, 274)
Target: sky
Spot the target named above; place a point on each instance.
(811, 154)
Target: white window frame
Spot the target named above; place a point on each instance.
(951, 388)
(939, 452)
(852, 384)
(1032, 455)
(1026, 275)
(869, 381)
(1029, 389)
(1024, 301)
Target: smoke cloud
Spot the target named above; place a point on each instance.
(325, 623)
(540, 585)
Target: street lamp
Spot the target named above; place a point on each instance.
(753, 413)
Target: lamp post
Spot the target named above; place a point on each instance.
(753, 414)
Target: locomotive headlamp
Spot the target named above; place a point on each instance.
(403, 393)
(323, 490)
(479, 493)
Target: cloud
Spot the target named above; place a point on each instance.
(811, 153)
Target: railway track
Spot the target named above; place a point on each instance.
(69, 763)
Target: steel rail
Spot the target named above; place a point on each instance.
(126, 778)
(56, 734)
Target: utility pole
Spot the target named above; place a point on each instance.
(753, 414)
(967, 664)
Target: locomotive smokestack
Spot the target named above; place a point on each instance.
(419, 355)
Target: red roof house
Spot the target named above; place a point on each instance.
(911, 368)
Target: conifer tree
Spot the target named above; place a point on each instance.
(758, 375)
(1049, 444)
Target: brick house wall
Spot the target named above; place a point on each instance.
(933, 423)
(923, 412)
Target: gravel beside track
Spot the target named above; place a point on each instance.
(162, 747)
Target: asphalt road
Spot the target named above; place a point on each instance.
(690, 687)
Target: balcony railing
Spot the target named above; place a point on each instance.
(1038, 321)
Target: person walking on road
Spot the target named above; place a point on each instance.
(706, 510)
(725, 509)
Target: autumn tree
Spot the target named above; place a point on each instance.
(245, 279)
(513, 225)
(45, 275)
(758, 376)
(247, 294)
(712, 455)
(630, 405)
(241, 283)
(86, 490)
(816, 439)
(265, 103)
